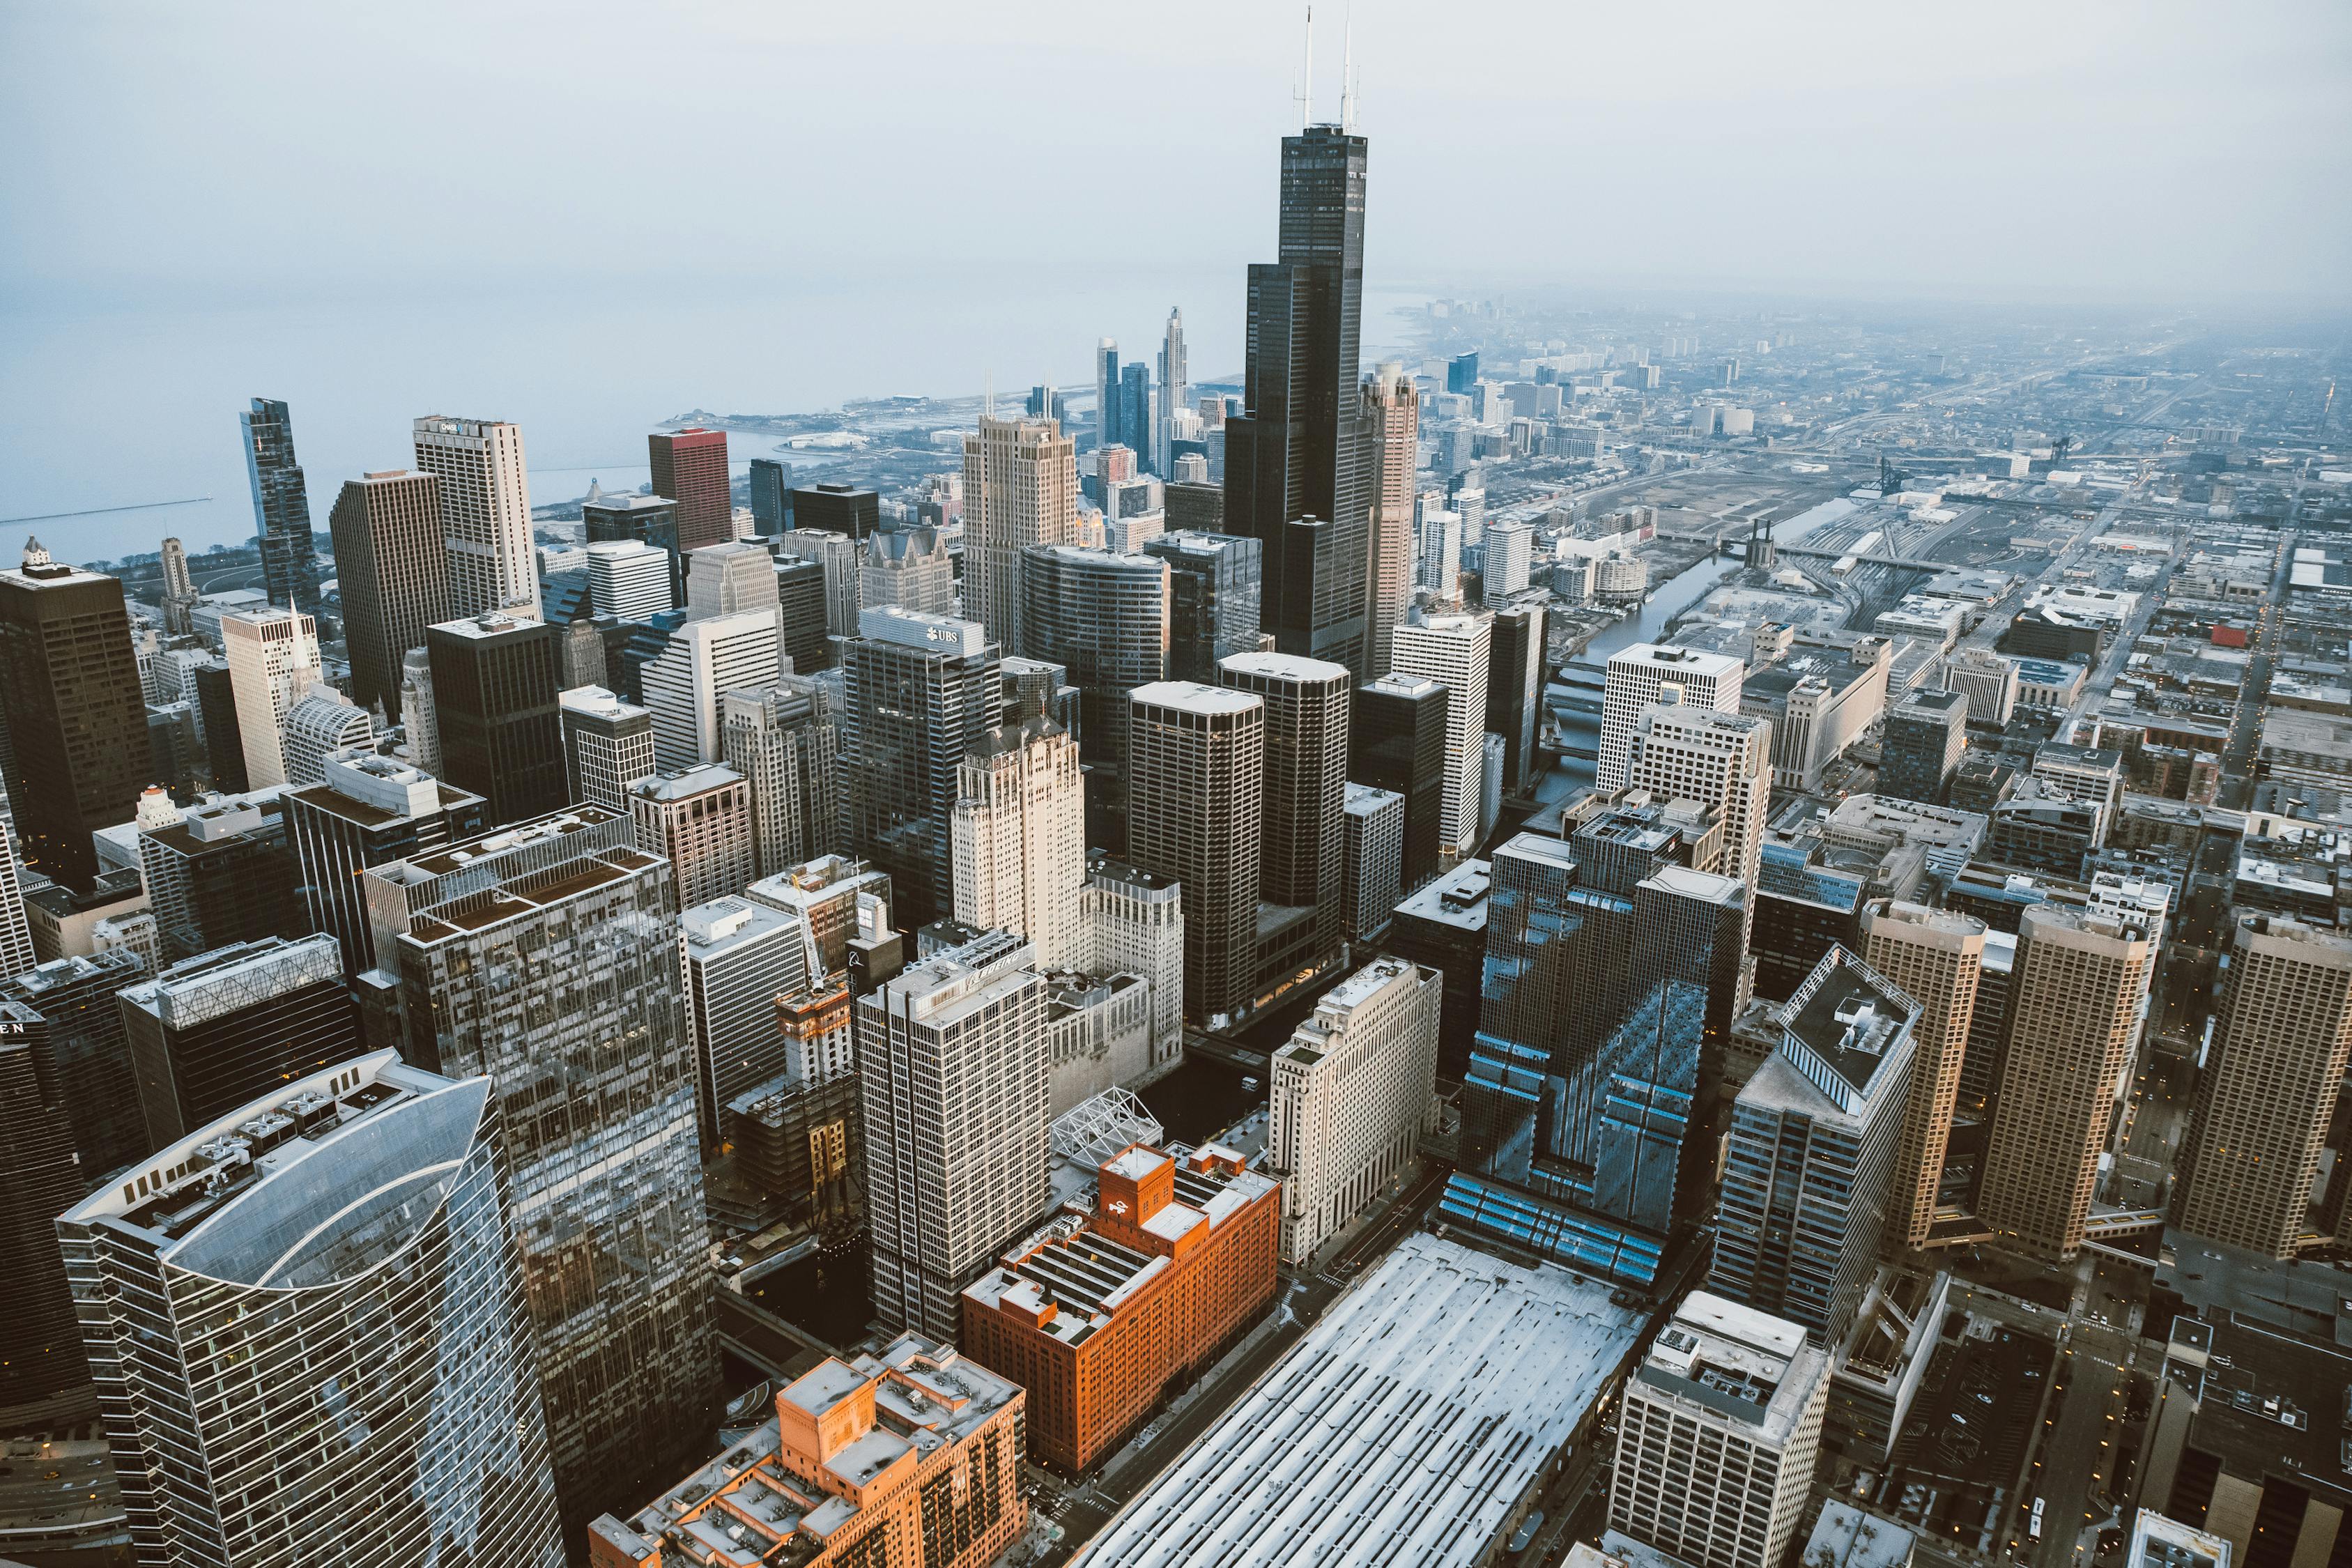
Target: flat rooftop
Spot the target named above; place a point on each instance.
(1457, 899)
(1404, 1428)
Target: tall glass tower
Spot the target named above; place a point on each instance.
(310, 1334)
(281, 505)
(1295, 459)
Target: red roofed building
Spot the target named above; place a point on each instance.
(1098, 1312)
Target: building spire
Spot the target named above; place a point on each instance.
(1307, 77)
(1348, 73)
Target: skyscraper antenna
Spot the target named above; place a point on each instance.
(1347, 72)
(987, 395)
(1307, 77)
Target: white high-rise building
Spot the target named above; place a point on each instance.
(736, 957)
(1020, 489)
(322, 722)
(628, 579)
(1724, 760)
(705, 658)
(1719, 1434)
(1439, 530)
(485, 492)
(1509, 553)
(1132, 923)
(608, 745)
(273, 658)
(1453, 650)
(727, 579)
(1353, 1091)
(15, 937)
(1637, 677)
(1175, 389)
(1019, 837)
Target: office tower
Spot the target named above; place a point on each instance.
(1135, 406)
(1132, 923)
(322, 722)
(2265, 1103)
(593, 1024)
(770, 509)
(484, 490)
(740, 958)
(1195, 505)
(1452, 650)
(1176, 1259)
(392, 572)
(699, 660)
(1391, 416)
(273, 658)
(845, 509)
(15, 937)
(628, 580)
(80, 1038)
(1721, 1435)
(608, 746)
(1114, 465)
(1371, 859)
(1175, 391)
(180, 594)
(785, 740)
(1020, 838)
(368, 810)
(419, 722)
(70, 693)
(1295, 460)
(1988, 681)
(1810, 1183)
(923, 689)
(40, 1346)
(1506, 559)
(728, 579)
(700, 818)
(1462, 373)
(222, 872)
(1397, 732)
(1517, 672)
(1020, 489)
(1105, 619)
(349, 1230)
(2074, 1015)
(842, 561)
(840, 901)
(954, 1431)
(1304, 782)
(638, 520)
(1106, 430)
(801, 609)
(690, 469)
(281, 505)
(2087, 775)
(212, 1032)
(1353, 1091)
(1213, 600)
(1195, 809)
(1936, 957)
(1920, 749)
(1637, 677)
(909, 567)
(1720, 760)
(951, 1057)
(499, 724)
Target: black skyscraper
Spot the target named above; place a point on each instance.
(837, 508)
(281, 505)
(1515, 682)
(76, 723)
(1295, 460)
(494, 686)
(769, 507)
(1396, 741)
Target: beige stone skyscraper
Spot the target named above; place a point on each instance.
(1686, 752)
(1392, 422)
(2073, 1014)
(1935, 956)
(1020, 489)
(1019, 838)
(2264, 1102)
(484, 495)
(273, 660)
(1453, 650)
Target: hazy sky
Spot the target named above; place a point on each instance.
(2174, 152)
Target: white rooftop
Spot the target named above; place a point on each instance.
(1668, 659)
(1403, 1428)
(1191, 697)
(1284, 667)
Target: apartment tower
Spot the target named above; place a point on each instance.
(1935, 956)
(484, 491)
(393, 574)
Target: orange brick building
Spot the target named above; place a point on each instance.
(1096, 1315)
(907, 1460)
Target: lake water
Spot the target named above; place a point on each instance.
(106, 405)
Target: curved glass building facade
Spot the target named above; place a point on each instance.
(308, 1329)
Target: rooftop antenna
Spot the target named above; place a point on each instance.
(987, 395)
(1347, 72)
(1305, 94)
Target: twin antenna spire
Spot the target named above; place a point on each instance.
(1305, 96)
